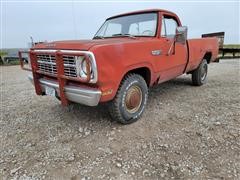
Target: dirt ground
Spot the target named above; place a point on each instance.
(186, 132)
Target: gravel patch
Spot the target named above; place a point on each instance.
(186, 132)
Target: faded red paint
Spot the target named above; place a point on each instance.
(115, 57)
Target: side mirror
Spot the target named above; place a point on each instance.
(181, 34)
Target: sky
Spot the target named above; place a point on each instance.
(64, 20)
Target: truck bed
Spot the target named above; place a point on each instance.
(198, 48)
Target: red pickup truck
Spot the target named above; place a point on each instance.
(130, 53)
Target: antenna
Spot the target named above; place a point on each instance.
(32, 41)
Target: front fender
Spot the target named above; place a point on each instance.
(114, 62)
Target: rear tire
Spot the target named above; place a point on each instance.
(130, 100)
(199, 75)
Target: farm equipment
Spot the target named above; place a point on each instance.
(233, 50)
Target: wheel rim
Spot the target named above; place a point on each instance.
(133, 99)
(204, 72)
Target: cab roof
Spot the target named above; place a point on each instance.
(142, 11)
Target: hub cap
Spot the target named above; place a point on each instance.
(133, 99)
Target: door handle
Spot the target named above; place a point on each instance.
(156, 52)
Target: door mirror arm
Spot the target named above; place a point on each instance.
(171, 47)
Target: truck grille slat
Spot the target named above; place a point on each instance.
(47, 64)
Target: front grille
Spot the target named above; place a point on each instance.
(70, 66)
(69, 60)
(47, 64)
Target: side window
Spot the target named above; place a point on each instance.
(170, 27)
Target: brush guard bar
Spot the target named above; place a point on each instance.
(61, 77)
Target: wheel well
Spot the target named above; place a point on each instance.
(208, 57)
(144, 72)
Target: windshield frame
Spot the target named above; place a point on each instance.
(156, 29)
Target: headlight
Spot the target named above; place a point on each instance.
(84, 67)
(81, 65)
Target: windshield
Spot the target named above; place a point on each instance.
(131, 25)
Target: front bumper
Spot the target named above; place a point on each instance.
(79, 95)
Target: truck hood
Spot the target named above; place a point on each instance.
(82, 44)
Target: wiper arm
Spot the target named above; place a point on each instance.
(98, 37)
(125, 35)
(115, 35)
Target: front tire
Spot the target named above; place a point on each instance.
(199, 75)
(130, 100)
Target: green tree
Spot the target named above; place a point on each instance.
(2, 53)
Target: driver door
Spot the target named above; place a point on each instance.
(172, 61)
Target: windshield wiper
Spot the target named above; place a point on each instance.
(98, 37)
(124, 35)
(115, 35)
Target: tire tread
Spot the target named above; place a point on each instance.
(114, 110)
(196, 74)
